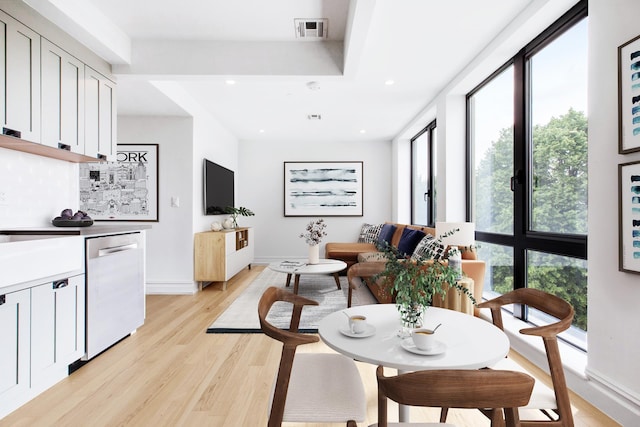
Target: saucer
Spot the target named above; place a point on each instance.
(438, 348)
(370, 330)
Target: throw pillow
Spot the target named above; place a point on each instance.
(428, 248)
(409, 240)
(371, 257)
(386, 234)
(369, 233)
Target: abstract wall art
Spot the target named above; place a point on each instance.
(629, 96)
(323, 189)
(629, 213)
(124, 190)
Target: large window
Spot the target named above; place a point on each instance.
(528, 158)
(423, 176)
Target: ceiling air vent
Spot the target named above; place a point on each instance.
(314, 117)
(311, 28)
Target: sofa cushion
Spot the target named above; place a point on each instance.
(369, 233)
(347, 251)
(386, 234)
(428, 248)
(409, 240)
(371, 257)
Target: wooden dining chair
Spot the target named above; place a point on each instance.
(554, 403)
(309, 387)
(484, 388)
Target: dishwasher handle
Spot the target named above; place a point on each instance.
(114, 249)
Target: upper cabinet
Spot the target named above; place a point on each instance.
(100, 116)
(20, 75)
(57, 104)
(62, 92)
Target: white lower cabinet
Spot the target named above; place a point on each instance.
(15, 327)
(42, 330)
(57, 329)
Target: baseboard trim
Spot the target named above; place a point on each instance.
(171, 288)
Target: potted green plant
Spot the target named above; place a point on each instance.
(242, 211)
(413, 283)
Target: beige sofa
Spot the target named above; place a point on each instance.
(369, 265)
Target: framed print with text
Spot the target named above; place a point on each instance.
(124, 190)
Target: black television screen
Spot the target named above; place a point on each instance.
(218, 188)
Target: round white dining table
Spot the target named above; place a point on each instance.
(468, 342)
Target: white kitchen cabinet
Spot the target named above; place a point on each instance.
(57, 329)
(100, 116)
(19, 78)
(15, 331)
(62, 94)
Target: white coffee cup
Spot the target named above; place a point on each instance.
(423, 338)
(357, 323)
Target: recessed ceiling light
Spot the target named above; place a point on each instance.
(389, 82)
(230, 82)
(314, 117)
(363, 131)
(261, 131)
(313, 86)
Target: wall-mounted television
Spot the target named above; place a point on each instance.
(218, 188)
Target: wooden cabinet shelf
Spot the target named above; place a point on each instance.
(220, 255)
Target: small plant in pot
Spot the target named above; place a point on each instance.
(242, 211)
(413, 283)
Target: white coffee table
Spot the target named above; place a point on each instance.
(298, 267)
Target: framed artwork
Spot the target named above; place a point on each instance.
(124, 190)
(322, 188)
(629, 216)
(629, 96)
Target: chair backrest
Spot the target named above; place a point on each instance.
(483, 388)
(553, 306)
(290, 339)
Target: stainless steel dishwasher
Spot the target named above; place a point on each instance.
(115, 289)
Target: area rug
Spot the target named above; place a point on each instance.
(242, 315)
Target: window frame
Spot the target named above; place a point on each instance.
(431, 189)
(523, 238)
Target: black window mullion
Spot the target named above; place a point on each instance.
(520, 159)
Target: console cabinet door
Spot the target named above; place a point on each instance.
(57, 330)
(100, 116)
(62, 99)
(20, 78)
(15, 328)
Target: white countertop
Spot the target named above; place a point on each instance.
(97, 229)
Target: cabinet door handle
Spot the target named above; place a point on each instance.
(11, 132)
(3, 299)
(60, 283)
(65, 147)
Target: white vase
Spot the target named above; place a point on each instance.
(314, 254)
(228, 223)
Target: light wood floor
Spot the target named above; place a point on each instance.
(171, 373)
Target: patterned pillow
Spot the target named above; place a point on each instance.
(369, 233)
(428, 248)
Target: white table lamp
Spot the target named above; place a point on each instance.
(464, 236)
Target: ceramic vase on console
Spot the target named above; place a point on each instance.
(314, 254)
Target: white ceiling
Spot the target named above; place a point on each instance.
(192, 47)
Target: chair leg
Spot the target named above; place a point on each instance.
(443, 414)
(351, 423)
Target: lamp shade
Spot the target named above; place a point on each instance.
(465, 236)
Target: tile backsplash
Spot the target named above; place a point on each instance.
(35, 189)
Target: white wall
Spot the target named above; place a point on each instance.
(260, 188)
(170, 240)
(614, 347)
